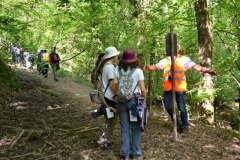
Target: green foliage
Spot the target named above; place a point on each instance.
(235, 121)
(64, 73)
(8, 78)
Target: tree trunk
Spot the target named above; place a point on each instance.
(205, 50)
(238, 47)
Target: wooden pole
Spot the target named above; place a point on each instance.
(173, 86)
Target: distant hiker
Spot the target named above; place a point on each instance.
(39, 57)
(54, 62)
(130, 125)
(96, 71)
(28, 59)
(182, 63)
(109, 89)
(44, 61)
(22, 60)
(13, 51)
(18, 55)
(31, 60)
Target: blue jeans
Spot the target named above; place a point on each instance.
(180, 99)
(130, 143)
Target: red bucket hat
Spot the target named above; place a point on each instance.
(129, 55)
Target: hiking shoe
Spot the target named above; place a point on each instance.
(109, 145)
(102, 140)
(184, 131)
(101, 111)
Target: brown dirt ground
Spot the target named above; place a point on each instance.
(51, 120)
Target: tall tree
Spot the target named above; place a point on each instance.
(205, 50)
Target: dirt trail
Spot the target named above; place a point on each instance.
(51, 120)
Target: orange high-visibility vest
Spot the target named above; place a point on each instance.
(180, 77)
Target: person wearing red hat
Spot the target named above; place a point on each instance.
(130, 143)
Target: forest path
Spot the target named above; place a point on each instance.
(51, 120)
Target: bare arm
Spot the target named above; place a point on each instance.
(199, 68)
(150, 68)
(113, 86)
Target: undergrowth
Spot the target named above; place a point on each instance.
(8, 78)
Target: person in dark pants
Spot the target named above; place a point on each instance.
(54, 59)
(45, 59)
(181, 64)
(130, 127)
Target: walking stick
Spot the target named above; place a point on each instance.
(175, 134)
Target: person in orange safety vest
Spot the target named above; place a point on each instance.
(181, 64)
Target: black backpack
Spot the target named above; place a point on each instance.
(54, 58)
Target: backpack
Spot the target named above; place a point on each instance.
(96, 95)
(30, 58)
(142, 110)
(39, 56)
(125, 83)
(45, 57)
(54, 58)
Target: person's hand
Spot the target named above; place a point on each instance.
(145, 68)
(116, 99)
(114, 110)
(211, 72)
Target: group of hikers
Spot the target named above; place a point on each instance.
(41, 59)
(120, 79)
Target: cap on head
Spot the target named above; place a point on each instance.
(111, 52)
(129, 55)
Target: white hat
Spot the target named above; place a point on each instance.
(111, 52)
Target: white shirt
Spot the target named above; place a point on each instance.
(136, 76)
(187, 63)
(108, 74)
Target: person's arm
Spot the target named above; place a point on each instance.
(157, 66)
(150, 68)
(113, 86)
(199, 68)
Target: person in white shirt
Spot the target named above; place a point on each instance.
(130, 141)
(181, 64)
(109, 89)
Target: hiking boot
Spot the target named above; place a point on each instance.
(184, 131)
(109, 145)
(99, 112)
(102, 140)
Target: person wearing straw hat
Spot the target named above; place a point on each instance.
(130, 144)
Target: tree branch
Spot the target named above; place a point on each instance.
(238, 82)
(73, 56)
(227, 48)
(225, 31)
